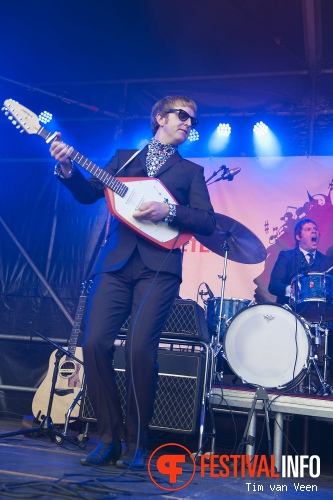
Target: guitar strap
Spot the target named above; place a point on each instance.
(131, 158)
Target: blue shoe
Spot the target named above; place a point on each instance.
(132, 460)
(104, 454)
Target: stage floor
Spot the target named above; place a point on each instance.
(36, 467)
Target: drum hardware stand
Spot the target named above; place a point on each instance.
(218, 346)
(324, 386)
(260, 395)
(326, 356)
(47, 425)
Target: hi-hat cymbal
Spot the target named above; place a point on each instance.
(243, 245)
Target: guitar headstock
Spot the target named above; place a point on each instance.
(86, 286)
(21, 117)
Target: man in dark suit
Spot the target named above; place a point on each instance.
(302, 259)
(137, 278)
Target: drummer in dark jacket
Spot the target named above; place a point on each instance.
(304, 258)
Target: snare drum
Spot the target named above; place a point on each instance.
(313, 296)
(229, 308)
(267, 345)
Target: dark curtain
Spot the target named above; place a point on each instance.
(62, 239)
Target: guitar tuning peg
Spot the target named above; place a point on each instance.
(10, 117)
(14, 122)
(18, 126)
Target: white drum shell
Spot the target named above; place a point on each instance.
(267, 345)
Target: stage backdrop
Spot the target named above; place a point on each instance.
(267, 196)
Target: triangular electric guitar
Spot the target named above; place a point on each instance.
(124, 195)
(70, 374)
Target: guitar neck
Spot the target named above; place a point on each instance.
(77, 325)
(76, 330)
(99, 173)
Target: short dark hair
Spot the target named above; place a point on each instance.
(299, 226)
(169, 102)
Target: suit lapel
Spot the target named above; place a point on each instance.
(136, 167)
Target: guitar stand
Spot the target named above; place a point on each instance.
(46, 425)
(247, 439)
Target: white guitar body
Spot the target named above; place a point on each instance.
(68, 384)
(141, 191)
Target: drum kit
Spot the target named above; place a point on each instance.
(266, 344)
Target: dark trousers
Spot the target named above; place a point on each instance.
(136, 291)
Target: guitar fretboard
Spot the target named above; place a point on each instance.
(99, 173)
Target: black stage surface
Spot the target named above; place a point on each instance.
(36, 467)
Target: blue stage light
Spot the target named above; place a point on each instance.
(194, 136)
(224, 130)
(45, 117)
(260, 128)
(265, 141)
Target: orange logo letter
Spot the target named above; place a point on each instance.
(167, 464)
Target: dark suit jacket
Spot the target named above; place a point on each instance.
(290, 263)
(185, 181)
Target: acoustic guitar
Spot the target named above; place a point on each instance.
(70, 374)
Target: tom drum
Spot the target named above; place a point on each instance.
(230, 307)
(313, 296)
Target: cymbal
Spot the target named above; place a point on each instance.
(244, 246)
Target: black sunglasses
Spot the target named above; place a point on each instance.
(183, 116)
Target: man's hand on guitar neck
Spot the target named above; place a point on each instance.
(60, 152)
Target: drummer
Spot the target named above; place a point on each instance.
(304, 258)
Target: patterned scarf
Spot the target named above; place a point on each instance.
(157, 155)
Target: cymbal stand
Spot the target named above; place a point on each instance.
(218, 345)
(224, 279)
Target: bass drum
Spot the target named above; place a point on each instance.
(267, 345)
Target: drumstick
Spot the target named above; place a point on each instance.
(328, 270)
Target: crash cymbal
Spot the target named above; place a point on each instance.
(244, 246)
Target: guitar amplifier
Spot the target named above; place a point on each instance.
(186, 321)
(179, 390)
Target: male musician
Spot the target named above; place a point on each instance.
(303, 258)
(136, 278)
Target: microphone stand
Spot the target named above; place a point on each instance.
(222, 167)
